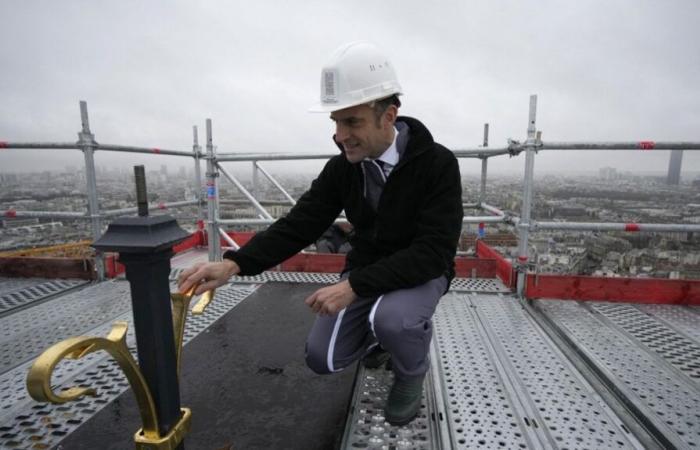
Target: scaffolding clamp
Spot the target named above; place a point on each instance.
(514, 147)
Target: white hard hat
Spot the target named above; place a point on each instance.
(356, 73)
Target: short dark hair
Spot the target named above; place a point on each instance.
(381, 105)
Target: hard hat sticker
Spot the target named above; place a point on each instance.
(330, 83)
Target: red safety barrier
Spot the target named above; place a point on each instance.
(504, 268)
(334, 263)
(195, 240)
(239, 237)
(466, 267)
(314, 262)
(113, 267)
(634, 290)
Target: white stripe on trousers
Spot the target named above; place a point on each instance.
(331, 345)
(372, 313)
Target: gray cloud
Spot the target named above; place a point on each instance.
(603, 70)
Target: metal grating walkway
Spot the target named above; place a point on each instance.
(17, 293)
(508, 385)
(502, 373)
(458, 284)
(650, 354)
(27, 424)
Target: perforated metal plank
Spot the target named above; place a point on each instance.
(366, 426)
(188, 258)
(29, 331)
(9, 284)
(669, 402)
(458, 284)
(287, 277)
(290, 277)
(480, 413)
(478, 285)
(545, 400)
(684, 319)
(25, 293)
(25, 423)
(656, 336)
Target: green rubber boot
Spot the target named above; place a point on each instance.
(404, 401)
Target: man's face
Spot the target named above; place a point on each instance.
(360, 134)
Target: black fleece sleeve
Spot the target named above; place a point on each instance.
(432, 251)
(306, 221)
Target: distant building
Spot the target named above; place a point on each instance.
(674, 168)
(608, 173)
(8, 177)
(15, 223)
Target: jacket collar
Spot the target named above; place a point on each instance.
(414, 139)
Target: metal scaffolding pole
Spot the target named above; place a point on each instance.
(223, 157)
(228, 239)
(196, 150)
(14, 214)
(477, 152)
(125, 211)
(245, 192)
(480, 152)
(523, 227)
(41, 145)
(276, 183)
(639, 145)
(212, 198)
(482, 219)
(628, 227)
(255, 191)
(86, 142)
(484, 166)
(253, 221)
(150, 151)
(492, 209)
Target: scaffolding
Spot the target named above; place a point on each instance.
(523, 224)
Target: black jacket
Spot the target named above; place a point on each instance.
(411, 239)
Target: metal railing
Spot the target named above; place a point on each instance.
(524, 224)
(87, 144)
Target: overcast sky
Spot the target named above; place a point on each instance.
(603, 70)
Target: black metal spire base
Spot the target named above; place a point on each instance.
(145, 248)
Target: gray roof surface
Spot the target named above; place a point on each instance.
(505, 374)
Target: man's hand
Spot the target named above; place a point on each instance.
(330, 300)
(210, 274)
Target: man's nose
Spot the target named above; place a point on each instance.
(341, 132)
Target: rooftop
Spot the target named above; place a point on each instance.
(505, 373)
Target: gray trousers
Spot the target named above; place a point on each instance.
(399, 321)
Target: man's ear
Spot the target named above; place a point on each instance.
(391, 113)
